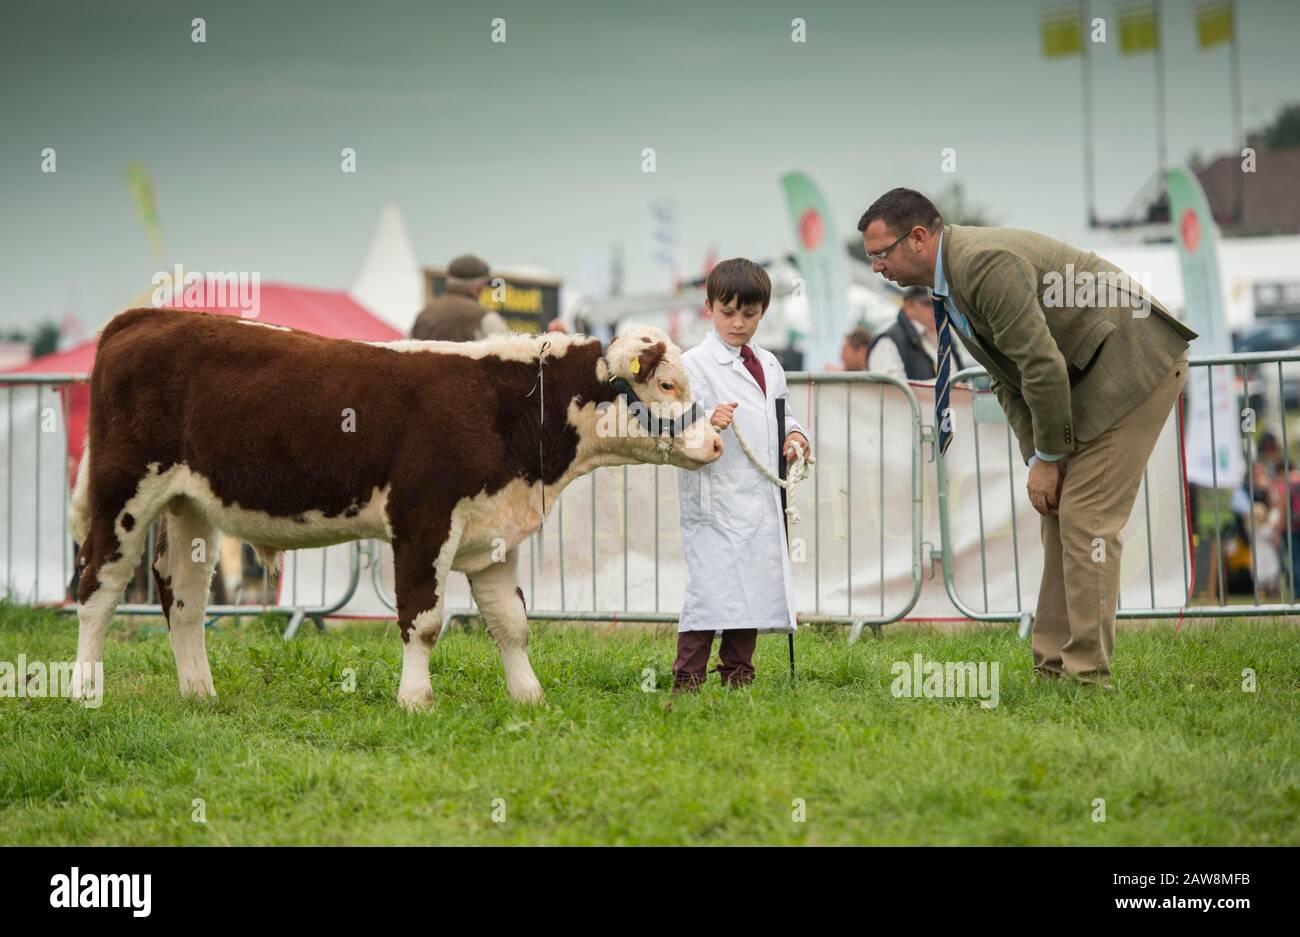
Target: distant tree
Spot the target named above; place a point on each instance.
(45, 340)
(1284, 132)
(955, 208)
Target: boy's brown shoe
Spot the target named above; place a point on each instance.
(687, 682)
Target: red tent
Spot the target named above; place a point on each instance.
(323, 312)
(75, 360)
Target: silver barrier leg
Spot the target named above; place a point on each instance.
(295, 622)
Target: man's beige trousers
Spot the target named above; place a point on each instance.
(1074, 627)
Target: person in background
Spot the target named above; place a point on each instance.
(1284, 509)
(456, 315)
(1269, 451)
(1267, 468)
(1268, 561)
(909, 349)
(1251, 556)
(856, 348)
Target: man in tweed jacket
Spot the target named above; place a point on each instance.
(1086, 365)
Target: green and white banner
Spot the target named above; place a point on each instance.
(821, 265)
(1197, 237)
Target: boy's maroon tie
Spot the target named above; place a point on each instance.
(753, 367)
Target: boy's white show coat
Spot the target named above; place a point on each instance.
(733, 537)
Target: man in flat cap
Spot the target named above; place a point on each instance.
(456, 315)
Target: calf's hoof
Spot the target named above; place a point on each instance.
(527, 691)
(198, 689)
(416, 701)
(83, 685)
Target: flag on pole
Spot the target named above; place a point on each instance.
(1214, 23)
(141, 186)
(1061, 29)
(1138, 27)
(663, 238)
(1220, 465)
(823, 281)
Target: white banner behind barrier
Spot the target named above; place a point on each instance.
(1154, 574)
(35, 548)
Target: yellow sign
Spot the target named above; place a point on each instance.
(526, 299)
(1214, 23)
(527, 304)
(1062, 32)
(1139, 28)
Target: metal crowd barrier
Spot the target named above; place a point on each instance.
(1200, 374)
(855, 385)
(32, 396)
(48, 444)
(48, 400)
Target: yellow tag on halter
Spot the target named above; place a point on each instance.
(635, 366)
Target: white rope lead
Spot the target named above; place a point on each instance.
(799, 470)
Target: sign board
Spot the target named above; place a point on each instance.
(528, 304)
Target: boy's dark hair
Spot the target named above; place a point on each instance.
(902, 210)
(740, 280)
(859, 338)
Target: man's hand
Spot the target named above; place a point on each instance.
(1044, 486)
(796, 438)
(722, 415)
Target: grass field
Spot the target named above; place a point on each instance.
(284, 755)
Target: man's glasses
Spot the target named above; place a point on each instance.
(880, 256)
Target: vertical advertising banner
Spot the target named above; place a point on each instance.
(822, 267)
(1197, 237)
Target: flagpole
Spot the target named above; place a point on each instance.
(1235, 77)
(1089, 182)
(1159, 61)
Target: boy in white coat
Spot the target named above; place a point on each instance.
(733, 535)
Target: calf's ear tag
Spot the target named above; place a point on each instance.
(635, 366)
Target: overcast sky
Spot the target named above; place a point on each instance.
(530, 151)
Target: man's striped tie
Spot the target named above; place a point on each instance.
(942, 414)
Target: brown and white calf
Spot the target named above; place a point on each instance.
(286, 440)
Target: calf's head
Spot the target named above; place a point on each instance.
(654, 418)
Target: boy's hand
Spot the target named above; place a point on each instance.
(796, 438)
(722, 415)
